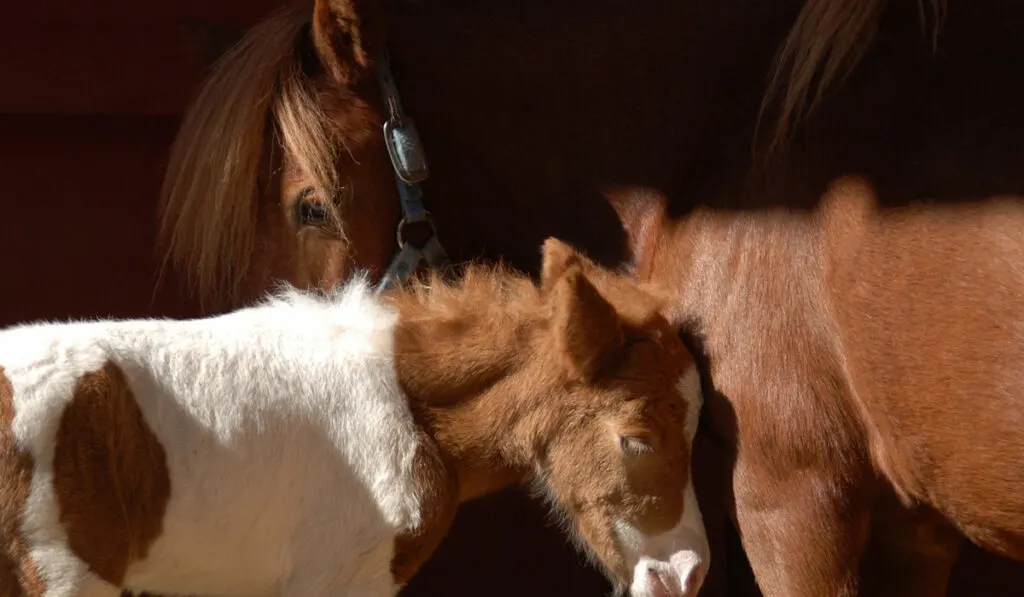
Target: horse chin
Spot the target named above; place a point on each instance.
(681, 576)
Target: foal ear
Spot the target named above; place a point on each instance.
(556, 258)
(348, 35)
(587, 327)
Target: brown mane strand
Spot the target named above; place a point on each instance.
(471, 296)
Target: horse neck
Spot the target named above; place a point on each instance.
(482, 449)
(464, 379)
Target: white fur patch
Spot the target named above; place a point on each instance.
(289, 443)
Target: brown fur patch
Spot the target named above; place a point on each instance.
(18, 575)
(110, 475)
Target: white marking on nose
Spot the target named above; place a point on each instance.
(673, 563)
(669, 564)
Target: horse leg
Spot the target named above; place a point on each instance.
(911, 551)
(803, 533)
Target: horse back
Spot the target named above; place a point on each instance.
(929, 310)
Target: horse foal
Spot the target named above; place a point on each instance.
(320, 444)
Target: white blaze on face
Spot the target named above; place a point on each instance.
(673, 563)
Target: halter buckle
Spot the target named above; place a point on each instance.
(406, 150)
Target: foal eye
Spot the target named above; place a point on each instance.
(634, 446)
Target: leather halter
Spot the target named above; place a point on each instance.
(409, 161)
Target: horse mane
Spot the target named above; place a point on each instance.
(828, 39)
(490, 294)
(209, 202)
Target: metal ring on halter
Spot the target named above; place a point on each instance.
(425, 218)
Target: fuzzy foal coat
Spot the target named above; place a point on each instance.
(180, 412)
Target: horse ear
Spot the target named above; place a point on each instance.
(588, 329)
(348, 35)
(556, 258)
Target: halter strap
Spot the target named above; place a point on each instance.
(409, 161)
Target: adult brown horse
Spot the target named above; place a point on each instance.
(851, 273)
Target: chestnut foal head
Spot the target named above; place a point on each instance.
(580, 387)
(621, 471)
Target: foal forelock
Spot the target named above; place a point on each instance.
(824, 45)
(209, 201)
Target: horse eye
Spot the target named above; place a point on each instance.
(312, 212)
(634, 446)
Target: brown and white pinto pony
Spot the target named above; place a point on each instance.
(832, 189)
(320, 444)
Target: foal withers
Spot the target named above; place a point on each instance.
(320, 445)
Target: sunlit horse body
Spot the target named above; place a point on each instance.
(853, 274)
(319, 445)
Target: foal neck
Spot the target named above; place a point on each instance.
(460, 355)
